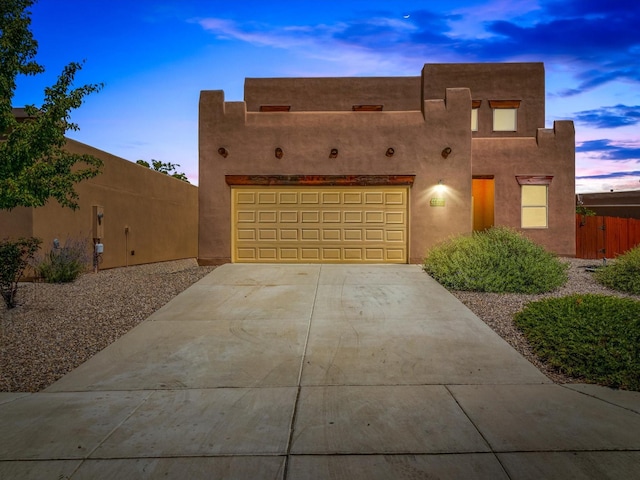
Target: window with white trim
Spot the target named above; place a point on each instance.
(535, 206)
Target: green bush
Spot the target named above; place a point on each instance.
(595, 337)
(14, 258)
(496, 260)
(65, 264)
(623, 274)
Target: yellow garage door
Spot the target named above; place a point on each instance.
(320, 224)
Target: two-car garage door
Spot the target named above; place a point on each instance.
(320, 224)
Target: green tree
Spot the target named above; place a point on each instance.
(167, 168)
(34, 166)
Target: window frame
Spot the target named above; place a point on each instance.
(528, 182)
(475, 106)
(500, 109)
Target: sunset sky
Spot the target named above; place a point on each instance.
(155, 57)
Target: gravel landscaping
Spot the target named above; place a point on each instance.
(57, 327)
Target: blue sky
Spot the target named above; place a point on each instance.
(155, 57)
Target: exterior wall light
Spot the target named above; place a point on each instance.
(223, 152)
(390, 152)
(279, 153)
(446, 152)
(334, 153)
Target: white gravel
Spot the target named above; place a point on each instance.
(57, 327)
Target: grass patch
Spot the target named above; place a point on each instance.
(624, 274)
(497, 260)
(595, 337)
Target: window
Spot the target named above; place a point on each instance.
(475, 105)
(505, 115)
(534, 206)
(535, 200)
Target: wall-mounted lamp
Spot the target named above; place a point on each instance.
(279, 153)
(333, 153)
(100, 217)
(223, 152)
(390, 151)
(446, 152)
(440, 182)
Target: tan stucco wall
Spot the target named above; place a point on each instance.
(161, 214)
(334, 94)
(494, 81)
(361, 138)
(551, 152)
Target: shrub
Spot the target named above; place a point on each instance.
(65, 264)
(14, 258)
(623, 274)
(596, 337)
(496, 260)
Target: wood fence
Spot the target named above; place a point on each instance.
(599, 237)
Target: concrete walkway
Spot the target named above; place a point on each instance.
(316, 372)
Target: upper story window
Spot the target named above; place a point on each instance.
(475, 105)
(505, 115)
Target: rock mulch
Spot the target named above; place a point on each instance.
(57, 327)
(497, 310)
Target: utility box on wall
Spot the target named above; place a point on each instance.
(97, 220)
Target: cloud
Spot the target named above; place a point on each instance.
(603, 176)
(610, 117)
(610, 150)
(599, 42)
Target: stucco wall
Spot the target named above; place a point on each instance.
(159, 213)
(362, 138)
(551, 152)
(494, 81)
(334, 94)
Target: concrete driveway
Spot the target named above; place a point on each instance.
(316, 372)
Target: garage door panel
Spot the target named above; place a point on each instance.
(287, 197)
(330, 198)
(267, 198)
(320, 224)
(310, 234)
(310, 216)
(331, 216)
(246, 217)
(310, 198)
(353, 217)
(288, 235)
(267, 216)
(351, 198)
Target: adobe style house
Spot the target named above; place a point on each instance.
(379, 170)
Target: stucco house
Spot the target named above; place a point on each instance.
(377, 170)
